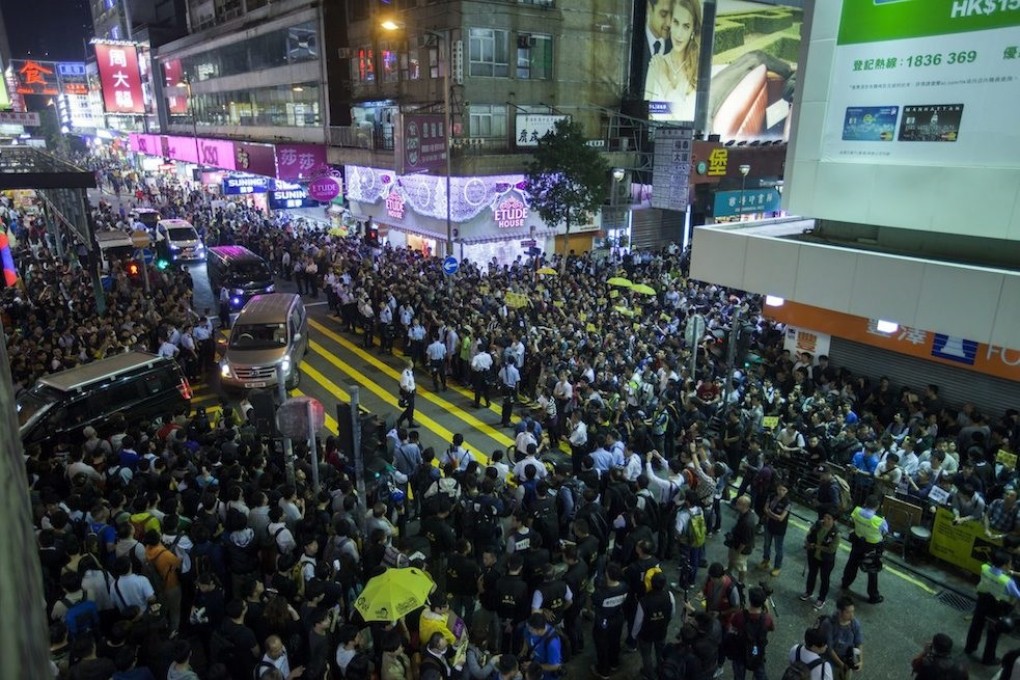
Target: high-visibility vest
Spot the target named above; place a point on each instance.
(994, 584)
(868, 528)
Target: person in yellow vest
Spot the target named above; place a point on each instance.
(866, 547)
(996, 594)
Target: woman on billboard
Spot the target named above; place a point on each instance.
(672, 79)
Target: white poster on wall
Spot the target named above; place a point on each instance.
(531, 127)
(799, 340)
(925, 82)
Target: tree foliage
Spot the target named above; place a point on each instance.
(567, 178)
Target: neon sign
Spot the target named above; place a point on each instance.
(510, 213)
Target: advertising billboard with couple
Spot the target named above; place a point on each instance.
(754, 64)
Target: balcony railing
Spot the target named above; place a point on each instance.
(481, 146)
(354, 137)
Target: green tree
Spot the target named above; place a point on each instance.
(567, 178)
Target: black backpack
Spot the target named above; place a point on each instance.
(753, 641)
(801, 670)
(651, 515)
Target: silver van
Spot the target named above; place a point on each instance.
(178, 241)
(271, 331)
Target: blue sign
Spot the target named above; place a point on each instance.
(954, 349)
(250, 184)
(281, 199)
(730, 203)
(450, 265)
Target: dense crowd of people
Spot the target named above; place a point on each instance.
(179, 549)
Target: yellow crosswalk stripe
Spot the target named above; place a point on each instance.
(427, 423)
(454, 410)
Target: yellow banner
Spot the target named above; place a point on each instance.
(770, 422)
(1006, 458)
(964, 545)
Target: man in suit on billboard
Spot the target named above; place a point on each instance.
(658, 16)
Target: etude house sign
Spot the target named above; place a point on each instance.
(510, 213)
(395, 205)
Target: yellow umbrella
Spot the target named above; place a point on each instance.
(643, 289)
(548, 271)
(620, 281)
(393, 594)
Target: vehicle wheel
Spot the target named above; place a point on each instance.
(295, 379)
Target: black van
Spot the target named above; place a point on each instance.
(139, 385)
(241, 271)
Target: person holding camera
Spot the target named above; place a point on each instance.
(843, 630)
(997, 592)
(740, 539)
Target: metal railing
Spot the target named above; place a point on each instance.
(354, 137)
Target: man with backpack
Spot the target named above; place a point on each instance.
(167, 566)
(807, 661)
(691, 532)
(74, 608)
(844, 638)
(749, 629)
(544, 645)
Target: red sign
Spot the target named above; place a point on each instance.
(35, 77)
(177, 98)
(395, 205)
(121, 81)
(510, 213)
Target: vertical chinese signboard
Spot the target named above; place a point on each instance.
(671, 170)
(419, 143)
(120, 78)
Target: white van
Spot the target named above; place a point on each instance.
(178, 241)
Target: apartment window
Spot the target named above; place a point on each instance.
(534, 56)
(363, 65)
(488, 53)
(487, 120)
(389, 64)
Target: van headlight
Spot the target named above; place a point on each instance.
(285, 365)
(225, 370)
(237, 291)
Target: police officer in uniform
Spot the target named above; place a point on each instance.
(512, 605)
(651, 623)
(866, 543)
(509, 376)
(997, 591)
(552, 597)
(481, 368)
(436, 354)
(607, 605)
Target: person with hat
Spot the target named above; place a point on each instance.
(997, 592)
(869, 531)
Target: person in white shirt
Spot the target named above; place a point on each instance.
(578, 440)
(481, 367)
(530, 459)
(436, 355)
(456, 453)
(407, 391)
(130, 589)
(168, 350)
(632, 465)
(810, 654)
(276, 657)
(279, 533)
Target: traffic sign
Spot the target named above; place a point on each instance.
(530, 243)
(450, 265)
(140, 239)
(694, 330)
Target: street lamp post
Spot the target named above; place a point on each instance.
(618, 175)
(186, 82)
(744, 170)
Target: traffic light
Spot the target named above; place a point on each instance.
(133, 269)
(372, 236)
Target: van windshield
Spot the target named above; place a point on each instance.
(249, 270)
(259, 336)
(30, 405)
(182, 234)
